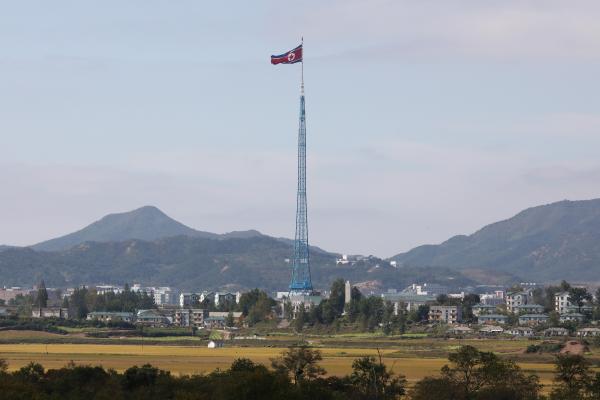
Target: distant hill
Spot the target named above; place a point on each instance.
(194, 263)
(145, 223)
(549, 242)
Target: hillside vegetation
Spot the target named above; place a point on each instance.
(549, 242)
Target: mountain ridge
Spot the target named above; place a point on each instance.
(144, 223)
(547, 242)
(193, 263)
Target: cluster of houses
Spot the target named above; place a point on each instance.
(529, 314)
(162, 316)
(493, 310)
(184, 310)
(520, 331)
(170, 316)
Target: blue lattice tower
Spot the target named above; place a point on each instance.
(301, 282)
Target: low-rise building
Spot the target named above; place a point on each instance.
(586, 309)
(215, 322)
(104, 289)
(492, 319)
(491, 330)
(426, 289)
(306, 300)
(190, 317)
(481, 309)
(151, 318)
(460, 330)
(445, 314)
(10, 293)
(528, 309)
(108, 316)
(556, 332)
(576, 317)
(218, 319)
(588, 332)
(521, 331)
(533, 319)
(405, 302)
(50, 312)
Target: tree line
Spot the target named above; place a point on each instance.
(297, 374)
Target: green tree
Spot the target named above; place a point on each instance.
(373, 380)
(467, 304)
(553, 318)
(478, 375)
(229, 321)
(299, 362)
(572, 377)
(337, 296)
(256, 305)
(41, 300)
(419, 315)
(352, 308)
(442, 299)
(78, 306)
(579, 296)
(301, 318)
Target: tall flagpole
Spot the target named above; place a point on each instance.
(301, 283)
(302, 44)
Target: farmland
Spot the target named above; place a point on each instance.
(412, 357)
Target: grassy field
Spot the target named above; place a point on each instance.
(413, 357)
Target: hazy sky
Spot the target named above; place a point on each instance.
(425, 118)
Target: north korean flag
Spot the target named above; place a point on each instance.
(291, 57)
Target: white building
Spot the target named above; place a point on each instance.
(104, 289)
(162, 295)
(426, 289)
(561, 302)
(342, 261)
(494, 299)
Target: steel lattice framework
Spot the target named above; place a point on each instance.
(301, 282)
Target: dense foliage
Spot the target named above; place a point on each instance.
(84, 300)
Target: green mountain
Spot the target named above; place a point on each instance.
(545, 243)
(145, 223)
(198, 263)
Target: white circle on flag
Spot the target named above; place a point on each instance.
(291, 56)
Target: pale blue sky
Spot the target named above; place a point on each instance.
(425, 119)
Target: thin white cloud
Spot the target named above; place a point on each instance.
(511, 29)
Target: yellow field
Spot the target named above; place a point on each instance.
(195, 359)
